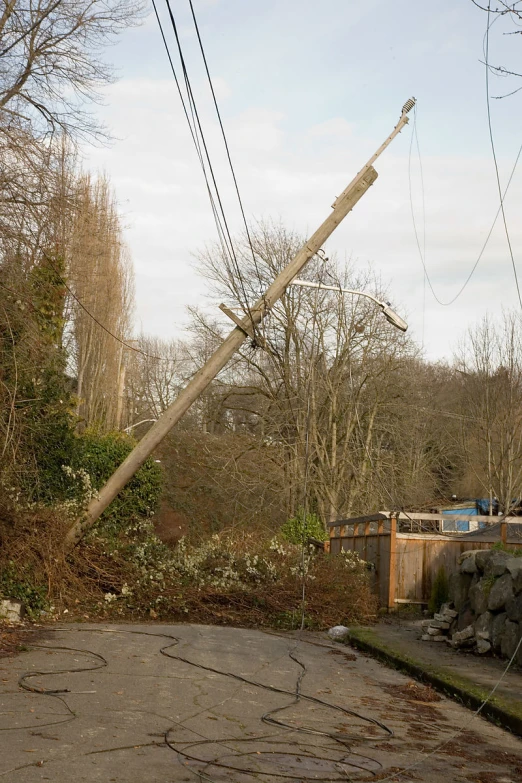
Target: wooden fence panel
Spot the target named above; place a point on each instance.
(406, 564)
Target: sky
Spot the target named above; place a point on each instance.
(307, 91)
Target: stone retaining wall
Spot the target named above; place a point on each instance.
(487, 595)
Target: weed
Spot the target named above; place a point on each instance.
(22, 587)
(499, 546)
(297, 529)
(487, 584)
(439, 591)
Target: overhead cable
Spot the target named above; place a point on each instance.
(198, 137)
(422, 254)
(497, 175)
(198, 127)
(240, 200)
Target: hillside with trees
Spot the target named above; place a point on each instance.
(337, 413)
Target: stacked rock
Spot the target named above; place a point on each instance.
(487, 594)
(437, 630)
(11, 610)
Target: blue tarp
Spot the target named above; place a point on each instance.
(470, 512)
(461, 525)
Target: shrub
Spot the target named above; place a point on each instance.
(21, 586)
(232, 578)
(239, 579)
(98, 456)
(439, 591)
(297, 529)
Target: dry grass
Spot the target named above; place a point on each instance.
(31, 548)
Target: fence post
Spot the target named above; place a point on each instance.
(331, 535)
(392, 579)
(503, 532)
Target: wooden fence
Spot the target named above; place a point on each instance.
(406, 563)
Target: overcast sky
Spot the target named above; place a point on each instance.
(308, 90)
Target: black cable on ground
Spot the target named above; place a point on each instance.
(184, 749)
(22, 681)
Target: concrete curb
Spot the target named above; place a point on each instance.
(493, 712)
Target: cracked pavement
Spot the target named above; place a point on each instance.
(133, 713)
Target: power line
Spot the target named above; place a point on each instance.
(224, 135)
(486, 241)
(197, 124)
(504, 220)
(190, 750)
(198, 138)
(193, 133)
(196, 120)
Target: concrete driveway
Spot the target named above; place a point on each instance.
(181, 703)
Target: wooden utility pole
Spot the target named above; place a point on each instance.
(342, 206)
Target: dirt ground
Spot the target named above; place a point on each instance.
(125, 704)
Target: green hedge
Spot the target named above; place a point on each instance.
(100, 455)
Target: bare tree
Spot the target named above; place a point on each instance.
(51, 66)
(51, 61)
(101, 279)
(155, 376)
(320, 390)
(490, 366)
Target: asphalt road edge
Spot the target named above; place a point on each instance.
(497, 710)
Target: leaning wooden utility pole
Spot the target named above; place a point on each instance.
(245, 328)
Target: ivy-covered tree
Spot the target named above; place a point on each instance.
(37, 422)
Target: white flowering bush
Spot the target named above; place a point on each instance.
(235, 577)
(217, 563)
(351, 560)
(82, 492)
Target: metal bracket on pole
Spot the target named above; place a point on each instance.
(246, 327)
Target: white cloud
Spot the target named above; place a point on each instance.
(160, 187)
(256, 131)
(337, 126)
(221, 88)
(293, 171)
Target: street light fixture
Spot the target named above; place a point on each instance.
(387, 311)
(143, 421)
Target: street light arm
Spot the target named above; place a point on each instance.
(310, 284)
(390, 315)
(143, 421)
